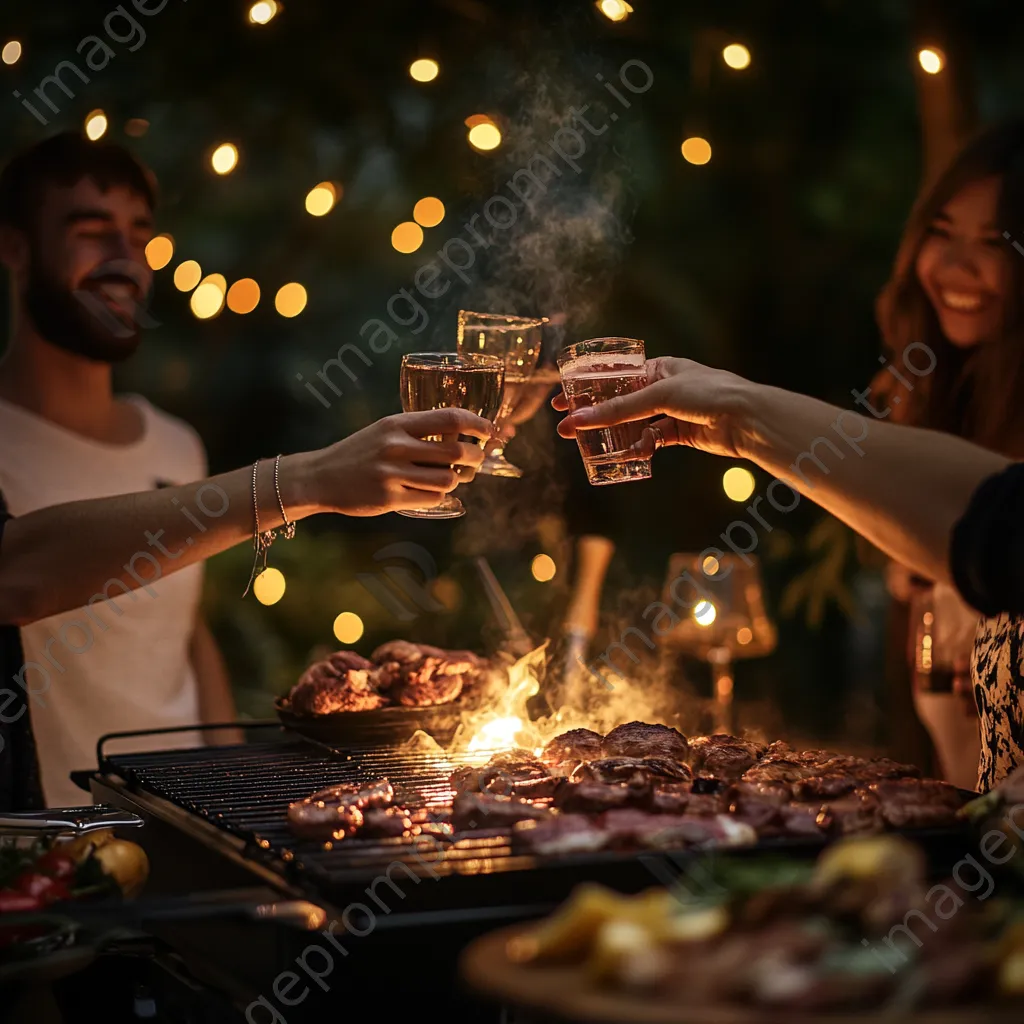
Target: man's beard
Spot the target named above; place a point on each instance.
(79, 322)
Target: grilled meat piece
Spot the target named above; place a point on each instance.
(560, 834)
(757, 804)
(625, 769)
(917, 803)
(337, 810)
(661, 831)
(575, 745)
(511, 773)
(590, 797)
(825, 787)
(670, 797)
(724, 756)
(858, 812)
(418, 675)
(779, 769)
(638, 739)
(341, 682)
(485, 810)
(385, 823)
(804, 819)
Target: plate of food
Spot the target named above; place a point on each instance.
(400, 688)
(861, 931)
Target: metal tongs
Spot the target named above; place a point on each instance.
(517, 639)
(72, 820)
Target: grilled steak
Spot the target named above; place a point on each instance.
(660, 831)
(574, 745)
(917, 803)
(338, 810)
(857, 812)
(589, 797)
(560, 834)
(825, 787)
(341, 682)
(385, 823)
(421, 676)
(638, 739)
(512, 773)
(485, 810)
(670, 797)
(625, 769)
(723, 756)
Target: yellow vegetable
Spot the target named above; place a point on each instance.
(620, 946)
(884, 859)
(126, 863)
(80, 847)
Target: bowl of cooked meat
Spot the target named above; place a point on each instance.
(401, 687)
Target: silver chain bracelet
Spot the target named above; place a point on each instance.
(261, 541)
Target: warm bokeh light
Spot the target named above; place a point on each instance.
(428, 211)
(321, 198)
(243, 296)
(738, 483)
(187, 275)
(710, 565)
(11, 53)
(407, 237)
(744, 635)
(219, 281)
(543, 568)
(614, 10)
(269, 586)
(424, 69)
(485, 136)
(348, 627)
(207, 300)
(136, 127)
(159, 251)
(224, 158)
(931, 59)
(260, 13)
(96, 125)
(737, 56)
(705, 613)
(290, 299)
(696, 150)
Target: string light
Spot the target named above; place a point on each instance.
(187, 275)
(11, 53)
(705, 613)
(321, 198)
(932, 59)
(207, 300)
(614, 10)
(429, 212)
(737, 56)
(262, 12)
(744, 635)
(159, 251)
(484, 134)
(696, 150)
(710, 565)
(738, 483)
(407, 237)
(348, 627)
(543, 568)
(290, 299)
(224, 158)
(269, 586)
(96, 125)
(243, 296)
(424, 70)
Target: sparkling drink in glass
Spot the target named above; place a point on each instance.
(517, 341)
(445, 380)
(592, 372)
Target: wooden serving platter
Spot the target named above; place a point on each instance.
(565, 993)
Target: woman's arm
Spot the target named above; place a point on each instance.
(903, 488)
(61, 557)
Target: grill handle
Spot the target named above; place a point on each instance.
(256, 723)
(76, 820)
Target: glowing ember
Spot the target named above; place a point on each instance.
(497, 734)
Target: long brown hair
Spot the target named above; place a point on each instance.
(977, 393)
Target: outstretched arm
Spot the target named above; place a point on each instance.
(903, 488)
(58, 558)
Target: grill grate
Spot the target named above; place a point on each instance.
(245, 791)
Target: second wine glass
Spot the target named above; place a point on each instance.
(516, 340)
(447, 380)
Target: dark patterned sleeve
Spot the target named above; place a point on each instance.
(987, 546)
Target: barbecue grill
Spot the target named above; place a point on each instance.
(216, 817)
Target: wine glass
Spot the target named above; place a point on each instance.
(516, 341)
(446, 380)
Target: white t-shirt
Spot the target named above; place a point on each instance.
(91, 671)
